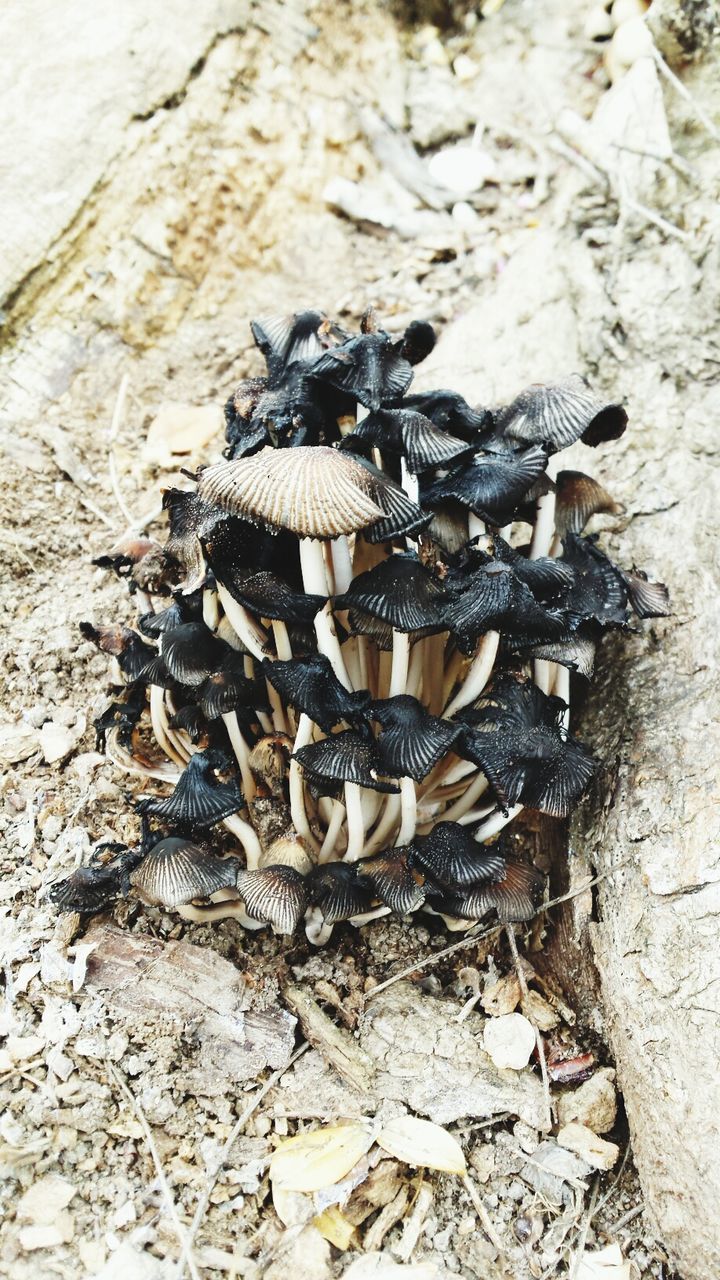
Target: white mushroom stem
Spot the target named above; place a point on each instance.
(247, 836)
(476, 814)
(355, 823)
(562, 690)
(476, 526)
(477, 788)
(297, 789)
(312, 565)
(478, 675)
(541, 545)
(242, 754)
(328, 846)
(433, 668)
(249, 631)
(210, 609)
(400, 663)
(282, 641)
(416, 669)
(495, 823)
(408, 811)
(409, 481)
(223, 908)
(382, 834)
(158, 716)
(316, 930)
(342, 564)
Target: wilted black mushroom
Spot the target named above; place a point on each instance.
(394, 881)
(407, 432)
(451, 412)
(492, 484)
(515, 897)
(309, 684)
(345, 757)
(339, 891)
(400, 591)
(451, 856)
(556, 415)
(95, 887)
(370, 367)
(418, 341)
(199, 799)
(191, 652)
(412, 741)
(577, 498)
(491, 597)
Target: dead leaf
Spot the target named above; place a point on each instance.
(179, 430)
(320, 1158)
(422, 1144)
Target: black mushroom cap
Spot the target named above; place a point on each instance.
(515, 897)
(285, 339)
(401, 516)
(266, 595)
(418, 341)
(199, 799)
(132, 654)
(340, 891)
(345, 757)
(310, 685)
(95, 887)
(122, 717)
(515, 738)
(410, 433)
(184, 608)
(276, 895)
(451, 412)
(546, 577)
(231, 690)
(493, 598)
(556, 415)
(176, 871)
(492, 484)
(243, 434)
(412, 741)
(370, 367)
(191, 718)
(191, 652)
(452, 857)
(394, 880)
(400, 591)
(236, 549)
(599, 592)
(577, 652)
(190, 519)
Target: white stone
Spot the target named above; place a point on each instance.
(462, 169)
(509, 1040)
(596, 1152)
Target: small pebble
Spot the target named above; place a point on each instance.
(509, 1040)
(595, 1151)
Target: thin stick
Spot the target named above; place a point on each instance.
(483, 1215)
(112, 435)
(685, 94)
(510, 931)
(184, 1238)
(213, 1175)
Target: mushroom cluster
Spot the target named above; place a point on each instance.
(354, 649)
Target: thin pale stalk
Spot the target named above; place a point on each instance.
(332, 835)
(381, 837)
(477, 788)
(400, 663)
(496, 823)
(249, 631)
(478, 675)
(296, 785)
(158, 717)
(342, 564)
(384, 673)
(242, 754)
(355, 823)
(415, 680)
(433, 664)
(211, 609)
(247, 836)
(282, 641)
(408, 812)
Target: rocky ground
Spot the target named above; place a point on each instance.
(251, 160)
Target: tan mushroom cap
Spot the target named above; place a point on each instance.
(315, 491)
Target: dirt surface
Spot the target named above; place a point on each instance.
(211, 209)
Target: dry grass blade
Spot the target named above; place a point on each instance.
(184, 1238)
(186, 1255)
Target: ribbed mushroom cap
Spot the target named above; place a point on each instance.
(185, 608)
(192, 719)
(132, 654)
(401, 591)
(558, 415)
(546, 577)
(175, 871)
(492, 598)
(345, 757)
(453, 858)
(401, 516)
(316, 492)
(277, 896)
(191, 652)
(303, 336)
(492, 484)
(577, 652)
(407, 432)
(577, 498)
(340, 891)
(198, 799)
(370, 367)
(393, 879)
(451, 412)
(266, 595)
(516, 897)
(648, 599)
(231, 690)
(310, 685)
(412, 742)
(514, 737)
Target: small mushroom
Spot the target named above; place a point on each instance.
(394, 880)
(451, 856)
(175, 872)
(275, 895)
(577, 498)
(310, 685)
(412, 741)
(339, 891)
(492, 484)
(556, 415)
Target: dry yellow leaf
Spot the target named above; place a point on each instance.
(311, 1161)
(423, 1144)
(292, 1208)
(334, 1227)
